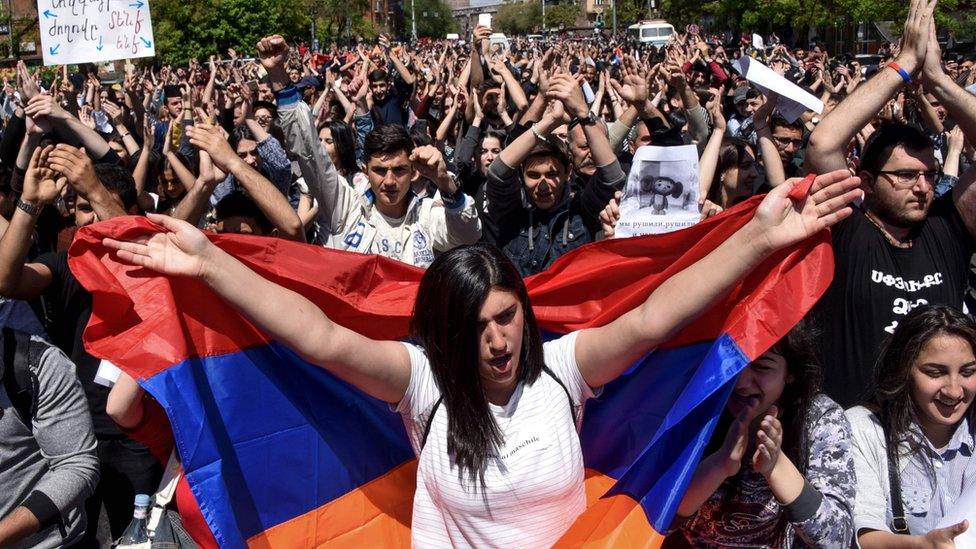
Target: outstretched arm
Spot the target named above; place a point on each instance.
(825, 151)
(604, 353)
(378, 368)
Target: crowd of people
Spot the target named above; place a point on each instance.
(484, 163)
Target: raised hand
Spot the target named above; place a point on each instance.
(769, 443)
(429, 161)
(42, 185)
(915, 38)
(43, 107)
(633, 88)
(273, 55)
(25, 83)
(783, 221)
(563, 87)
(113, 112)
(736, 442)
(180, 251)
(610, 214)
(208, 138)
(74, 164)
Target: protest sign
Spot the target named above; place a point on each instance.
(793, 100)
(82, 31)
(661, 193)
(757, 42)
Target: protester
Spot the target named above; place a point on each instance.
(48, 461)
(779, 471)
(489, 379)
(901, 248)
(914, 437)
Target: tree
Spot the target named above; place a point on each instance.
(200, 28)
(434, 18)
(518, 17)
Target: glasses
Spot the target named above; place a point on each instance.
(786, 141)
(262, 119)
(907, 178)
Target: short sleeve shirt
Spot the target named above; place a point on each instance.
(533, 486)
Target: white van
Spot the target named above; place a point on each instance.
(656, 32)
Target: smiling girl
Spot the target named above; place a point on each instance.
(919, 418)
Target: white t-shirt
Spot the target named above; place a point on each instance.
(533, 491)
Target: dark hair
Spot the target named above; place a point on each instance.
(797, 348)
(118, 181)
(239, 133)
(420, 134)
(377, 75)
(238, 204)
(387, 139)
(446, 320)
(890, 396)
(550, 148)
(777, 121)
(344, 141)
(885, 138)
(730, 155)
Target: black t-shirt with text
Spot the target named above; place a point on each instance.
(876, 284)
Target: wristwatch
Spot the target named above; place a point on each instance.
(587, 120)
(29, 208)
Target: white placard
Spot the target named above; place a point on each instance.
(82, 31)
(963, 508)
(793, 100)
(661, 193)
(757, 42)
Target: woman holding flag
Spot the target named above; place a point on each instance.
(492, 413)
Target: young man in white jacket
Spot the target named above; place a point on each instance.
(388, 219)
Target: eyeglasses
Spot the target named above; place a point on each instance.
(907, 178)
(786, 141)
(262, 119)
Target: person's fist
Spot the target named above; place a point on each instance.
(273, 52)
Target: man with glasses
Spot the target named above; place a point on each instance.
(788, 138)
(902, 248)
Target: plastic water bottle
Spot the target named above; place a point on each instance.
(137, 533)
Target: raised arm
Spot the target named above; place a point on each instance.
(268, 198)
(828, 143)
(604, 353)
(378, 368)
(961, 106)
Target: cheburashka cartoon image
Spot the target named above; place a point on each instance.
(655, 191)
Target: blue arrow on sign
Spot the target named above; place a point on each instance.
(54, 50)
(145, 42)
(137, 5)
(99, 46)
(48, 14)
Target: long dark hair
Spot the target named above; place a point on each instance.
(344, 141)
(734, 150)
(797, 348)
(446, 320)
(890, 396)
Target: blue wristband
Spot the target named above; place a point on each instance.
(904, 74)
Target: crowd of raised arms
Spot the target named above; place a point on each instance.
(483, 163)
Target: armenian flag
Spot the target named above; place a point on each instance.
(280, 453)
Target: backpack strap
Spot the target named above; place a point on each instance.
(572, 406)
(430, 421)
(898, 520)
(437, 404)
(19, 354)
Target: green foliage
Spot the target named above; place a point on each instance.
(518, 17)
(564, 15)
(200, 28)
(433, 18)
